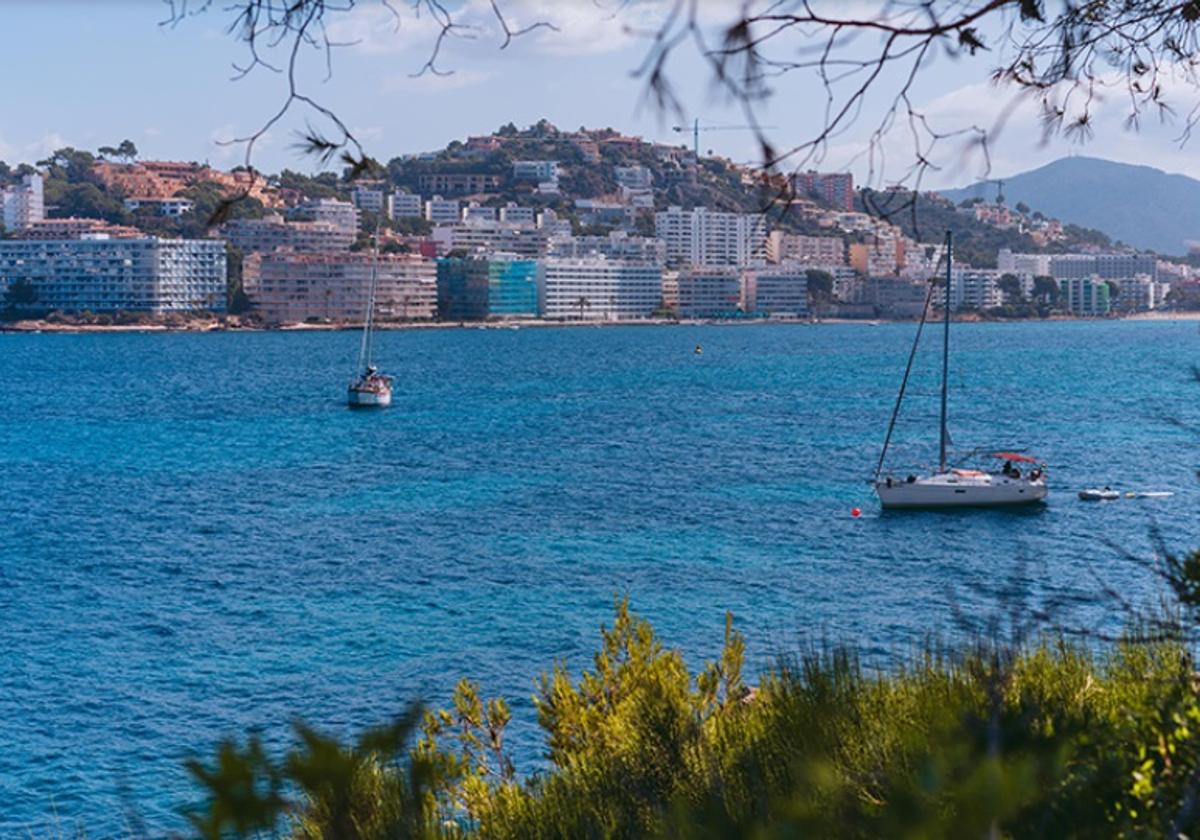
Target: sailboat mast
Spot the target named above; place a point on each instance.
(365, 350)
(945, 354)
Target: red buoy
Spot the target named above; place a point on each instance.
(855, 512)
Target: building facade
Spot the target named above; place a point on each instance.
(272, 232)
(99, 274)
(816, 250)
(709, 292)
(702, 237)
(406, 205)
(459, 183)
(443, 211)
(1085, 295)
(289, 287)
(535, 170)
(834, 188)
(341, 214)
(778, 291)
(22, 204)
(483, 236)
(480, 288)
(599, 288)
(173, 206)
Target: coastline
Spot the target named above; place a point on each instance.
(33, 327)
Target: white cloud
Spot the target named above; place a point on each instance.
(1017, 140)
(434, 83)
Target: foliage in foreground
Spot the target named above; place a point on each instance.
(1052, 740)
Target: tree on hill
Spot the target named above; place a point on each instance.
(68, 164)
(125, 150)
(65, 199)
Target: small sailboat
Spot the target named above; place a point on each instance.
(948, 487)
(371, 389)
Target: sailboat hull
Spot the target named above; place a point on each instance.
(364, 398)
(956, 490)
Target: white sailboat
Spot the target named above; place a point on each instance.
(371, 389)
(948, 487)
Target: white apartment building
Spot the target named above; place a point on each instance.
(817, 250)
(272, 231)
(702, 237)
(373, 198)
(616, 245)
(601, 289)
(1141, 293)
(99, 274)
(475, 212)
(972, 288)
(22, 204)
(292, 288)
(709, 292)
(517, 215)
(341, 214)
(488, 236)
(443, 211)
(406, 205)
(1035, 265)
(171, 206)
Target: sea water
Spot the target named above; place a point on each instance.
(198, 539)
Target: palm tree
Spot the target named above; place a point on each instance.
(582, 303)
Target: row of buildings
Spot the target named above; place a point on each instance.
(293, 287)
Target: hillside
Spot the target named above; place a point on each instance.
(928, 218)
(1138, 205)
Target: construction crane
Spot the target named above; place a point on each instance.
(697, 128)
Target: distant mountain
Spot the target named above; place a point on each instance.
(1139, 205)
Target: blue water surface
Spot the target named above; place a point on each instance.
(197, 538)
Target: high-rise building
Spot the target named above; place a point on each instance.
(22, 204)
(599, 288)
(291, 287)
(478, 288)
(834, 188)
(702, 237)
(99, 274)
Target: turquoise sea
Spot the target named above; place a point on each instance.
(197, 538)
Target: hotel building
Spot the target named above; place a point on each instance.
(100, 274)
(599, 288)
(479, 288)
(702, 237)
(287, 287)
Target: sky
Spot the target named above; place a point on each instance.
(87, 74)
